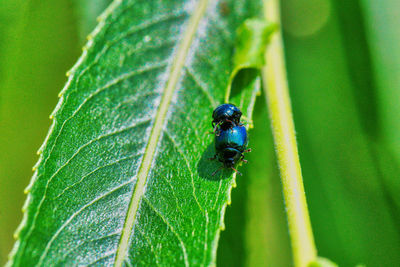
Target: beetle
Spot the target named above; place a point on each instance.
(230, 146)
(226, 116)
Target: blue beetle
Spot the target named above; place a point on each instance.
(226, 116)
(230, 145)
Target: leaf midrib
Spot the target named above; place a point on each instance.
(156, 130)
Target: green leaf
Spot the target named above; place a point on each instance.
(251, 54)
(256, 232)
(124, 176)
(86, 13)
(322, 262)
(253, 35)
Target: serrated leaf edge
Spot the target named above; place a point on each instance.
(70, 75)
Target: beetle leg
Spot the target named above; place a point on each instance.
(217, 170)
(213, 158)
(242, 159)
(216, 127)
(236, 171)
(233, 124)
(247, 150)
(212, 124)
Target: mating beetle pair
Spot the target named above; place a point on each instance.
(230, 136)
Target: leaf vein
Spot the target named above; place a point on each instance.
(175, 74)
(144, 25)
(48, 182)
(190, 121)
(67, 222)
(128, 263)
(188, 167)
(176, 198)
(213, 104)
(95, 140)
(97, 91)
(107, 255)
(94, 171)
(148, 241)
(158, 213)
(205, 239)
(89, 241)
(217, 196)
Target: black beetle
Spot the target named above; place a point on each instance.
(230, 145)
(226, 116)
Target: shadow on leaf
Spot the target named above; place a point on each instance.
(206, 167)
(243, 79)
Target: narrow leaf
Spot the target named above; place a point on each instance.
(253, 36)
(124, 176)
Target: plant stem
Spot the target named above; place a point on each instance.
(278, 100)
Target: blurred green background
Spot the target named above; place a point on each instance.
(343, 62)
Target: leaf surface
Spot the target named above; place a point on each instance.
(124, 176)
